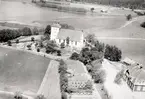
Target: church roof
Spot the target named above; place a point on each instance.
(74, 35)
(56, 25)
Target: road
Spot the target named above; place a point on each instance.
(50, 86)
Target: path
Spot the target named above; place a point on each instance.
(121, 38)
(11, 93)
(36, 53)
(50, 86)
(129, 22)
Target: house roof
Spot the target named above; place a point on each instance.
(75, 67)
(74, 35)
(137, 75)
(128, 61)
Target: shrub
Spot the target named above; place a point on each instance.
(18, 95)
(63, 78)
(17, 41)
(29, 47)
(92, 9)
(62, 45)
(32, 39)
(143, 25)
(40, 97)
(89, 85)
(129, 17)
(58, 53)
(67, 41)
(118, 77)
(9, 43)
(51, 47)
(99, 76)
(41, 44)
(112, 53)
(63, 95)
(74, 56)
(38, 50)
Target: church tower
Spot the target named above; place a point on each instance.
(55, 28)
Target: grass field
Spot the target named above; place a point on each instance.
(21, 71)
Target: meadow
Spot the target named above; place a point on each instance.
(21, 71)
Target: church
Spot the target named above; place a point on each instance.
(76, 37)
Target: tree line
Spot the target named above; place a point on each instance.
(9, 34)
(119, 3)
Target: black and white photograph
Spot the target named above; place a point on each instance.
(72, 49)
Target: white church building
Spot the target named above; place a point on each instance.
(76, 38)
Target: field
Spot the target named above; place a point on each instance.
(20, 71)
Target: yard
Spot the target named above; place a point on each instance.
(21, 71)
(116, 91)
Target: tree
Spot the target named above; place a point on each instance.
(87, 55)
(92, 9)
(32, 39)
(99, 76)
(91, 39)
(35, 31)
(118, 77)
(26, 31)
(18, 95)
(74, 56)
(63, 95)
(58, 53)
(9, 43)
(63, 77)
(8, 34)
(129, 17)
(41, 44)
(67, 41)
(112, 53)
(66, 26)
(29, 46)
(51, 47)
(89, 85)
(47, 32)
(17, 41)
(38, 50)
(62, 45)
(143, 25)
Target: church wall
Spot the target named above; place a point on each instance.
(54, 32)
(71, 43)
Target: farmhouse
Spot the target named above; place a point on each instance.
(134, 75)
(76, 38)
(79, 82)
